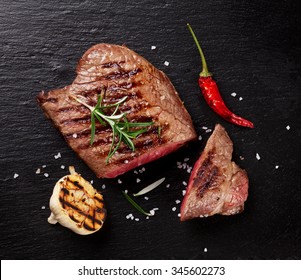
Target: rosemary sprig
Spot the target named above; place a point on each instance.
(121, 127)
(135, 204)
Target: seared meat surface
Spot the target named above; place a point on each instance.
(217, 185)
(151, 97)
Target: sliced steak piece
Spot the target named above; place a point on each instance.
(216, 185)
(150, 97)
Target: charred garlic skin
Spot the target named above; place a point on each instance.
(75, 204)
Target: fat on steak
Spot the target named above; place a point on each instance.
(150, 97)
(217, 185)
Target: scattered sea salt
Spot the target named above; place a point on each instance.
(74, 135)
(204, 127)
(43, 207)
(63, 166)
(58, 156)
(135, 171)
(166, 63)
(38, 171)
(16, 175)
(146, 198)
(184, 183)
(46, 175)
(44, 166)
(205, 250)
(183, 192)
(138, 180)
(179, 215)
(132, 217)
(152, 212)
(103, 186)
(240, 98)
(257, 156)
(200, 138)
(119, 181)
(168, 185)
(137, 219)
(277, 166)
(178, 201)
(174, 209)
(125, 191)
(147, 217)
(288, 127)
(128, 216)
(241, 157)
(91, 182)
(153, 47)
(233, 94)
(143, 169)
(208, 130)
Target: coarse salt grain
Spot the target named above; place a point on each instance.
(62, 166)
(174, 209)
(147, 217)
(38, 171)
(126, 161)
(138, 180)
(208, 130)
(125, 191)
(178, 201)
(166, 63)
(128, 216)
(146, 198)
(240, 98)
(257, 156)
(137, 219)
(46, 175)
(288, 127)
(183, 192)
(143, 169)
(44, 166)
(135, 171)
(168, 185)
(153, 47)
(233, 94)
(204, 127)
(186, 159)
(74, 135)
(277, 166)
(200, 138)
(241, 157)
(58, 156)
(205, 250)
(16, 175)
(43, 207)
(91, 182)
(152, 212)
(119, 181)
(103, 186)
(184, 183)
(179, 214)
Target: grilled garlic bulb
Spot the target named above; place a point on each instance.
(75, 204)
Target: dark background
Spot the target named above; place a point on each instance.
(252, 47)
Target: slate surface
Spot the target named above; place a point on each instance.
(252, 47)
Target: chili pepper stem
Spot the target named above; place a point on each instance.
(205, 72)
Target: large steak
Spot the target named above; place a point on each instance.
(217, 185)
(150, 95)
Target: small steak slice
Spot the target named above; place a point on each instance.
(216, 185)
(151, 97)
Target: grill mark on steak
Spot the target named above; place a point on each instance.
(112, 64)
(122, 74)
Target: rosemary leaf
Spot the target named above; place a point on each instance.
(150, 187)
(135, 204)
(92, 128)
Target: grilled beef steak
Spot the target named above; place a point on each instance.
(217, 185)
(151, 97)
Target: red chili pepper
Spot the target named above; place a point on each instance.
(211, 92)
